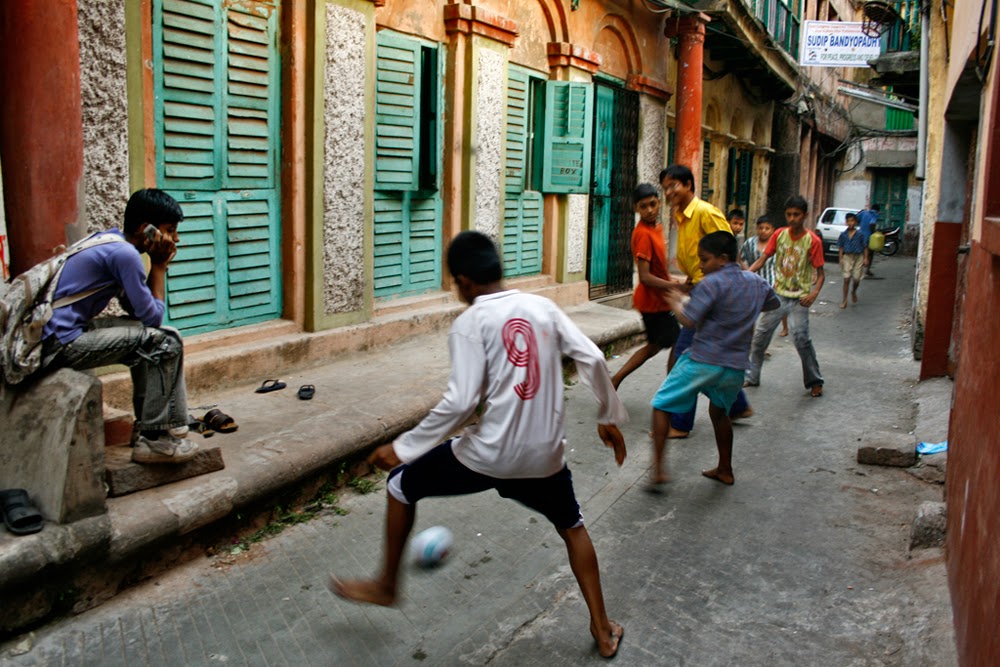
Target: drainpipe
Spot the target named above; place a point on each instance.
(690, 33)
(925, 50)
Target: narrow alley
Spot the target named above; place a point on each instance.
(803, 562)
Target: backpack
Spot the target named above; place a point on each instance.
(26, 306)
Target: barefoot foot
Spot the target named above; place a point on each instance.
(744, 415)
(677, 435)
(816, 390)
(843, 305)
(854, 298)
(371, 592)
(783, 333)
(609, 639)
(724, 477)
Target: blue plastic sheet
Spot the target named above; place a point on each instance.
(932, 447)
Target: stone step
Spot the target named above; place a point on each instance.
(117, 426)
(124, 477)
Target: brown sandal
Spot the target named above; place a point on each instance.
(217, 420)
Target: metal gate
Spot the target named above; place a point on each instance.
(611, 215)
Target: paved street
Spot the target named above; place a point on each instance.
(802, 562)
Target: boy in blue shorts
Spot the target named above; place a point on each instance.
(506, 352)
(722, 310)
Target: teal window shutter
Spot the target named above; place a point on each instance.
(567, 146)
(517, 130)
(217, 120)
(522, 223)
(397, 113)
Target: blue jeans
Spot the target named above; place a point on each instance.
(684, 421)
(155, 356)
(798, 323)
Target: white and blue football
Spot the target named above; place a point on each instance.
(429, 547)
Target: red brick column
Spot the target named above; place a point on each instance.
(690, 33)
(41, 126)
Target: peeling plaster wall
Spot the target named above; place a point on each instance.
(652, 139)
(104, 100)
(344, 161)
(576, 232)
(489, 140)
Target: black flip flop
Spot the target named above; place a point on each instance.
(307, 391)
(270, 385)
(21, 517)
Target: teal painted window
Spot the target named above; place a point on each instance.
(569, 111)
(706, 170)
(407, 255)
(523, 210)
(217, 119)
(740, 178)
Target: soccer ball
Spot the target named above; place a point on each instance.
(431, 546)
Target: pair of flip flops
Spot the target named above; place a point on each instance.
(306, 391)
(20, 515)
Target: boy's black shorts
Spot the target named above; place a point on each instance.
(438, 473)
(662, 328)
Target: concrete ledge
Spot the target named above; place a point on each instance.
(52, 444)
(928, 529)
(888, 449)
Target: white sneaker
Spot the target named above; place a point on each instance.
(165, 449)
(179, 431)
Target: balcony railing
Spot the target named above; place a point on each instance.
(781, 23)
(904, 33)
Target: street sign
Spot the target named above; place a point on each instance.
(836, 44)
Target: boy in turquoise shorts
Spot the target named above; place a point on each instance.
(722, 311)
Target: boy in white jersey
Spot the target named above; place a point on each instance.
(506, 351)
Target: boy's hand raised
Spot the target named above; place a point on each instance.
(384, 457)
(612, 437)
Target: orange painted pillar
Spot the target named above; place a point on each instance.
(690, 33)
(41, 126)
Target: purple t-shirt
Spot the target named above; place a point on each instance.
(116, 266)
(725, 306)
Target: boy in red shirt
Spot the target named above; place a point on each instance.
(649, 250)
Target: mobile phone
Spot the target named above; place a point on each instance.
(152, 233)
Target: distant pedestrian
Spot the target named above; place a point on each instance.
(799, 277)
(737, 221)
(649, 250)
(506, 351)
(695, 218)
(852, 247)
(721, 311)
(868, 223)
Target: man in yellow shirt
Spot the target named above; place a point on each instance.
(695, 218)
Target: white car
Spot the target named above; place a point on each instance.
(831, 223)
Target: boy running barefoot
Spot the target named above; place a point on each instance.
(722, 310)
(852, 244)
(649, 250)
(798, 278)
(506, 352)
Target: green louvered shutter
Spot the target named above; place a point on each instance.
(568, 126)
(397, 113)
(522, 225)
(217, 116)
(407, 238)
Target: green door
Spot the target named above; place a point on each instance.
(522, 219)
(889, 189)
(600, 194)
(217, 120)
(616, 138)
(407, 159)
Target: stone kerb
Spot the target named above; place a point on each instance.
(52, 444)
